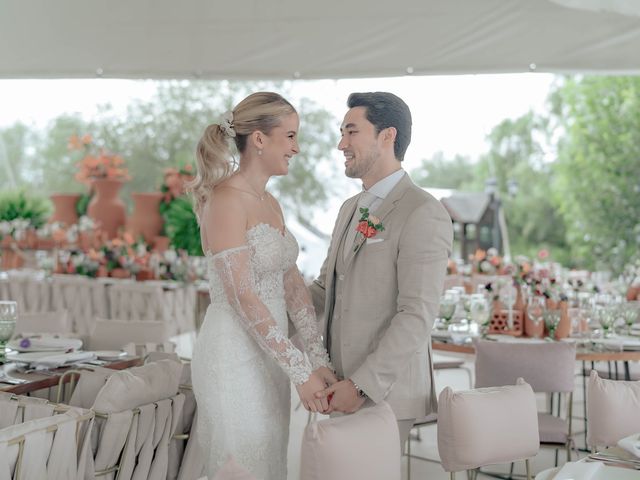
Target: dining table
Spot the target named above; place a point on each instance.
(14, 378)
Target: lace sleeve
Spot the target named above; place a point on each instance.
(302, 314)
(234, 268)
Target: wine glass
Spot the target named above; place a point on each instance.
(8, 318)
(447, 308)
(630, 312)
(551, 321)
(507, 295)
(536, 306)
(606, 317)
(480, 311)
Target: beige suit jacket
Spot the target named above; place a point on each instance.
(390, 295)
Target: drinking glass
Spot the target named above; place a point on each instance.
(507, 295)
(536, 306)
(447, 308)
(630, 312)
(480, 311)
(8, 318)
(606, 317)
(551, 321)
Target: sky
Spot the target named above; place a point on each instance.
(452, 114)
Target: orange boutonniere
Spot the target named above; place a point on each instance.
(368, 227)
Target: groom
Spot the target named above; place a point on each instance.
(379, 287)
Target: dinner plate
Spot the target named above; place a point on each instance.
(109, 354)
(45, 343)
(28, 357)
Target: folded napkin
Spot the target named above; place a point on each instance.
(34, 343)
(631, 444)
(578, 471)
(61, 359)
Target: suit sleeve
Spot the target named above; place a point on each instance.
(424, 248)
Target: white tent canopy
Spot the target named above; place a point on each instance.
(271, 39)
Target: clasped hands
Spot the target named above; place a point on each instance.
(324, 393)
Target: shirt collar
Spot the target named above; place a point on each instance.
(382, 188)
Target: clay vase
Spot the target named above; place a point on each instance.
(64, 208)
(161, 244)
(106, 207)
(564, 326)
(145, 219)
(633, 293)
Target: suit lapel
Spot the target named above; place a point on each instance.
(383, 212)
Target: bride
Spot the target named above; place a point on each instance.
(243, 361)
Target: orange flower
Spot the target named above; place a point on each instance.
(74, 143)
(86, 139)
(480, 255)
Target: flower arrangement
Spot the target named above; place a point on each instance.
(96, 163)
(487, 262)
(174, 185)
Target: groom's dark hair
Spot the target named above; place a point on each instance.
(384, 110)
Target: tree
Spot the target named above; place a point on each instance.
(598, 168)
(440, 172)
(163, 131)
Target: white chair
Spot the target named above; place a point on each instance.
(186, 461)
(115, 334)
(487, 426)
(613, 410)
(30, 289)
(84, 298)
(43, 322)
(52, 445)
(135, 419)
(549, 367)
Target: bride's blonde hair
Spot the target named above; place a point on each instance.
(214, 161)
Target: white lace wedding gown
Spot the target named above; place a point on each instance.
(243, 360)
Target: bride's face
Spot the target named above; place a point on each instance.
(281, 145)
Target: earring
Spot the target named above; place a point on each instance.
(259, 152)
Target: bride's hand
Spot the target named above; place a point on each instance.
(327, 376)
(307, 392)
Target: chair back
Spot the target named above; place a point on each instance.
(84, 298)
(30, 289)
(547, 366)
(486, 426)
(135, 421)
(53, 444)
(613, 410)
(44, 322)
(115, 334)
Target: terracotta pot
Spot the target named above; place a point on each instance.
(145, 219)
(145, 274)
(105, 206)
(564, 326)
(64, 208)
(11, 259)
(120, 273)
(102, 271)
(161, 244)
(633, 293)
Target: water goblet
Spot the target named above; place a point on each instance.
(8, 318)
(447, 309)
(507, 295)
(480, 312)
(551, 321)
(630, 312)
(536, 306)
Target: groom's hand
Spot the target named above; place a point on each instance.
(343, 397)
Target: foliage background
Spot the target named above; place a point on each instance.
(575, 167)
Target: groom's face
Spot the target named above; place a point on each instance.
(359, 143)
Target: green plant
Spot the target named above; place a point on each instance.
(83, 203)
(182, 226)
(18, 204)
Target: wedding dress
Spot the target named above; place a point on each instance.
(243, 361)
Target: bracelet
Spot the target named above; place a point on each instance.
(359, 391)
